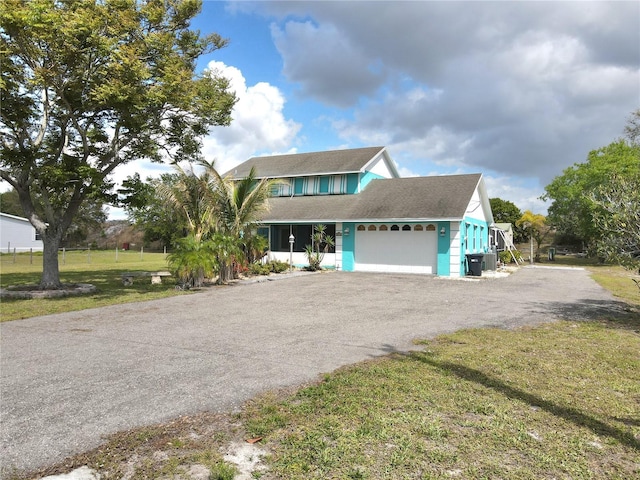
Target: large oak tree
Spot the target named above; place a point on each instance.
(88, 85)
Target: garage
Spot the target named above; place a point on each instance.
(400, 248)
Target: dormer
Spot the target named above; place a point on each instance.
(336, 172)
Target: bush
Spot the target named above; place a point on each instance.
(505, 256)
(258, 268)
(274, 266)
(277, 266)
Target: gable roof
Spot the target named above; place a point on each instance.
(402, 199)
(7, 215)
(313, 163)
(507, 227)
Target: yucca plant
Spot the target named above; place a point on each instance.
(320, 244)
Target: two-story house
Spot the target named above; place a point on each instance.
(380, 222)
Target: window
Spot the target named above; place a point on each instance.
(395, 228)
(302, 233)
(383, 228)
(324, 185)
(38, 236)
(418, 228)
(431, 228)
(361, 228)
(372, 228)
(406, 228)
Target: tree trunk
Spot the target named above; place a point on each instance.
(50, 269)
(225, 272)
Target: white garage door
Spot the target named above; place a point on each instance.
(396, 248)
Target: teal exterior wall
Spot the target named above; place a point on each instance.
(352, 183)
(298, 187)
(366, 177)
(348, 247)
(444, 250)
(474, 238)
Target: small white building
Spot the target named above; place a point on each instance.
(18, 233)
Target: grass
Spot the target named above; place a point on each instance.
(99, 268)
(618, 281)
(558, 401)
(555, 401)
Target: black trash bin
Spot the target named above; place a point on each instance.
(474, 262)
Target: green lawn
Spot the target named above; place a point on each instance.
(100, 268)
(558, 401)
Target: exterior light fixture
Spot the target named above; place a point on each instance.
(291, 240)
(443, 232)
(346, 231)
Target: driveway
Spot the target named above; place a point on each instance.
(68, 379)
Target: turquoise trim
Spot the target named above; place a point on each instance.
(324, 185)
(444, 250)
(472, 229)
(352, 183)
(366, 178)
(348, 247)
(298, 187)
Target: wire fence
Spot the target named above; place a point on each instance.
(75, 256)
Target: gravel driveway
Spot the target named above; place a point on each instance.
(68, 379)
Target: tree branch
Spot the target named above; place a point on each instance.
(45, 120)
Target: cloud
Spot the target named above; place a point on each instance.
(337, 79)
(522, 89)
(258, 123)
(524, 196)
(258, 127)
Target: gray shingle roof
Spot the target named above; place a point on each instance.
(313, 163)
(415, 198)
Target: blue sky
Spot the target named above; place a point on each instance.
(518, 91)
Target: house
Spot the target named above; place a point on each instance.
(503, 236)
(17, 233)
(380, 222)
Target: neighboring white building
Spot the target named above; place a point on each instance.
(503, 236)
(17, 233)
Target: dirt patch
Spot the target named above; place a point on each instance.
(247, 457)
(187, 448)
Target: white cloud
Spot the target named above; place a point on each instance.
(258, 126)
(518, 191)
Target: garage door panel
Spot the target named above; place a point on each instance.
(396, 251)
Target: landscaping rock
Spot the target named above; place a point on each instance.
(82, 473)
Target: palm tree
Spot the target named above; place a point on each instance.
(239, 204)
(192, 198)
(218, 208)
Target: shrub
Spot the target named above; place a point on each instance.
(505, 256)
(277, 266)
(274, 266)
(192, 261)
(258, 268)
